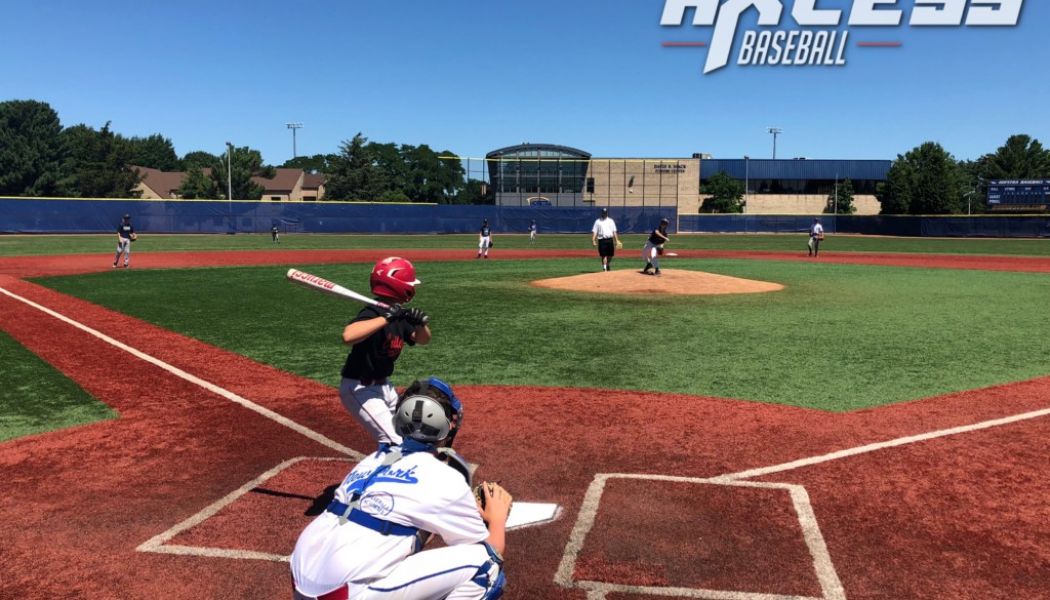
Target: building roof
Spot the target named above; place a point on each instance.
(313, 181)
(796, 169)
(283, 180)
(537, 150)
(163, 183)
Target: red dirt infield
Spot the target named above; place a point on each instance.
(954, 516)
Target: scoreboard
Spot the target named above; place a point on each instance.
(1024, 191)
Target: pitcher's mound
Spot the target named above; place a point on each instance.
(686, 283)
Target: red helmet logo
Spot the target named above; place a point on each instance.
(394, 278)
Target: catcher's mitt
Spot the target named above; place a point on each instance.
(479, 493)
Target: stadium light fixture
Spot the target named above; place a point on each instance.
(775, 131)
(294, 127)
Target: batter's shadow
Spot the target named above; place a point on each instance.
(318, 503)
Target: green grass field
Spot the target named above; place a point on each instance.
(37, 398)
(20, 245)
(840, 337)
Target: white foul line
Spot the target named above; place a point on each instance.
(922, 437)
(211, 387)
(825, 569)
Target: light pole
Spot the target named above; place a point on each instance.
(293, 127)
(775, 131)
(229, 174)
(747, 181)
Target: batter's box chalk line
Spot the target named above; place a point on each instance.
(523, 514)
(597, 590)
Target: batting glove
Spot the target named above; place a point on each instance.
(417, 317)
(392, 313)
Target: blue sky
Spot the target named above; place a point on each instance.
(474, 75)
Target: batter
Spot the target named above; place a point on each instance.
(378, 336)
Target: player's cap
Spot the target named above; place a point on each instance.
(127, 216)
(605, 211)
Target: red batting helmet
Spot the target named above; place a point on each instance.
(394, 278)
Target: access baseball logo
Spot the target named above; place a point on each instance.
(819, 39)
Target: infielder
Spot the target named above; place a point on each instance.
(125, 235)
(378, 336)
(816, 236)
(367, 545)
(484, 239)
(654, 247)
(603, 235)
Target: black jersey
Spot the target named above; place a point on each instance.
(374, 356)
(486, 231)
(125, 230)
(657, 237)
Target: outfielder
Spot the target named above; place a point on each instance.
(367, 545)
(484, 239)
(532, 233)
(816, 236)
(654, 247)
(378, 336)
(275, 234)
(125, 235)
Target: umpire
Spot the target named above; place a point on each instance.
(603, 235)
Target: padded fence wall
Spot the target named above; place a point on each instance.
(905, 226)
(20, 215)
(27, 215)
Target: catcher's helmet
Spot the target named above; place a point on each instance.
(395, 278)
(428, 412)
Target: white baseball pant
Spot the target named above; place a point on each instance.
(373, 406)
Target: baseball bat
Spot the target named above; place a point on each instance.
(327, 287)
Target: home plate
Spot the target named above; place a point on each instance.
(526, 514)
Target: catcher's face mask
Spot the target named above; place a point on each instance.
(429, 412)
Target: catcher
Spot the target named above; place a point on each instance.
(654, 248)
(368, 542)
(125, 235)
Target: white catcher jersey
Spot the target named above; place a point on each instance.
(417, 491)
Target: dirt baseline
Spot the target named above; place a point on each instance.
(670, 282)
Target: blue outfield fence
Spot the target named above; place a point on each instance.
(24, 215)
(33, 215)
(903, 226)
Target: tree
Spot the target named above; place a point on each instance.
(246, 163)
(198, 160)
(155, 152)
(318, 163)
(1021, 157)
(474, 192)
(925, 181)
(724, 194)
(841, 200)
(198, 186)
(100, 163)
(350, 171)
(33, 158)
